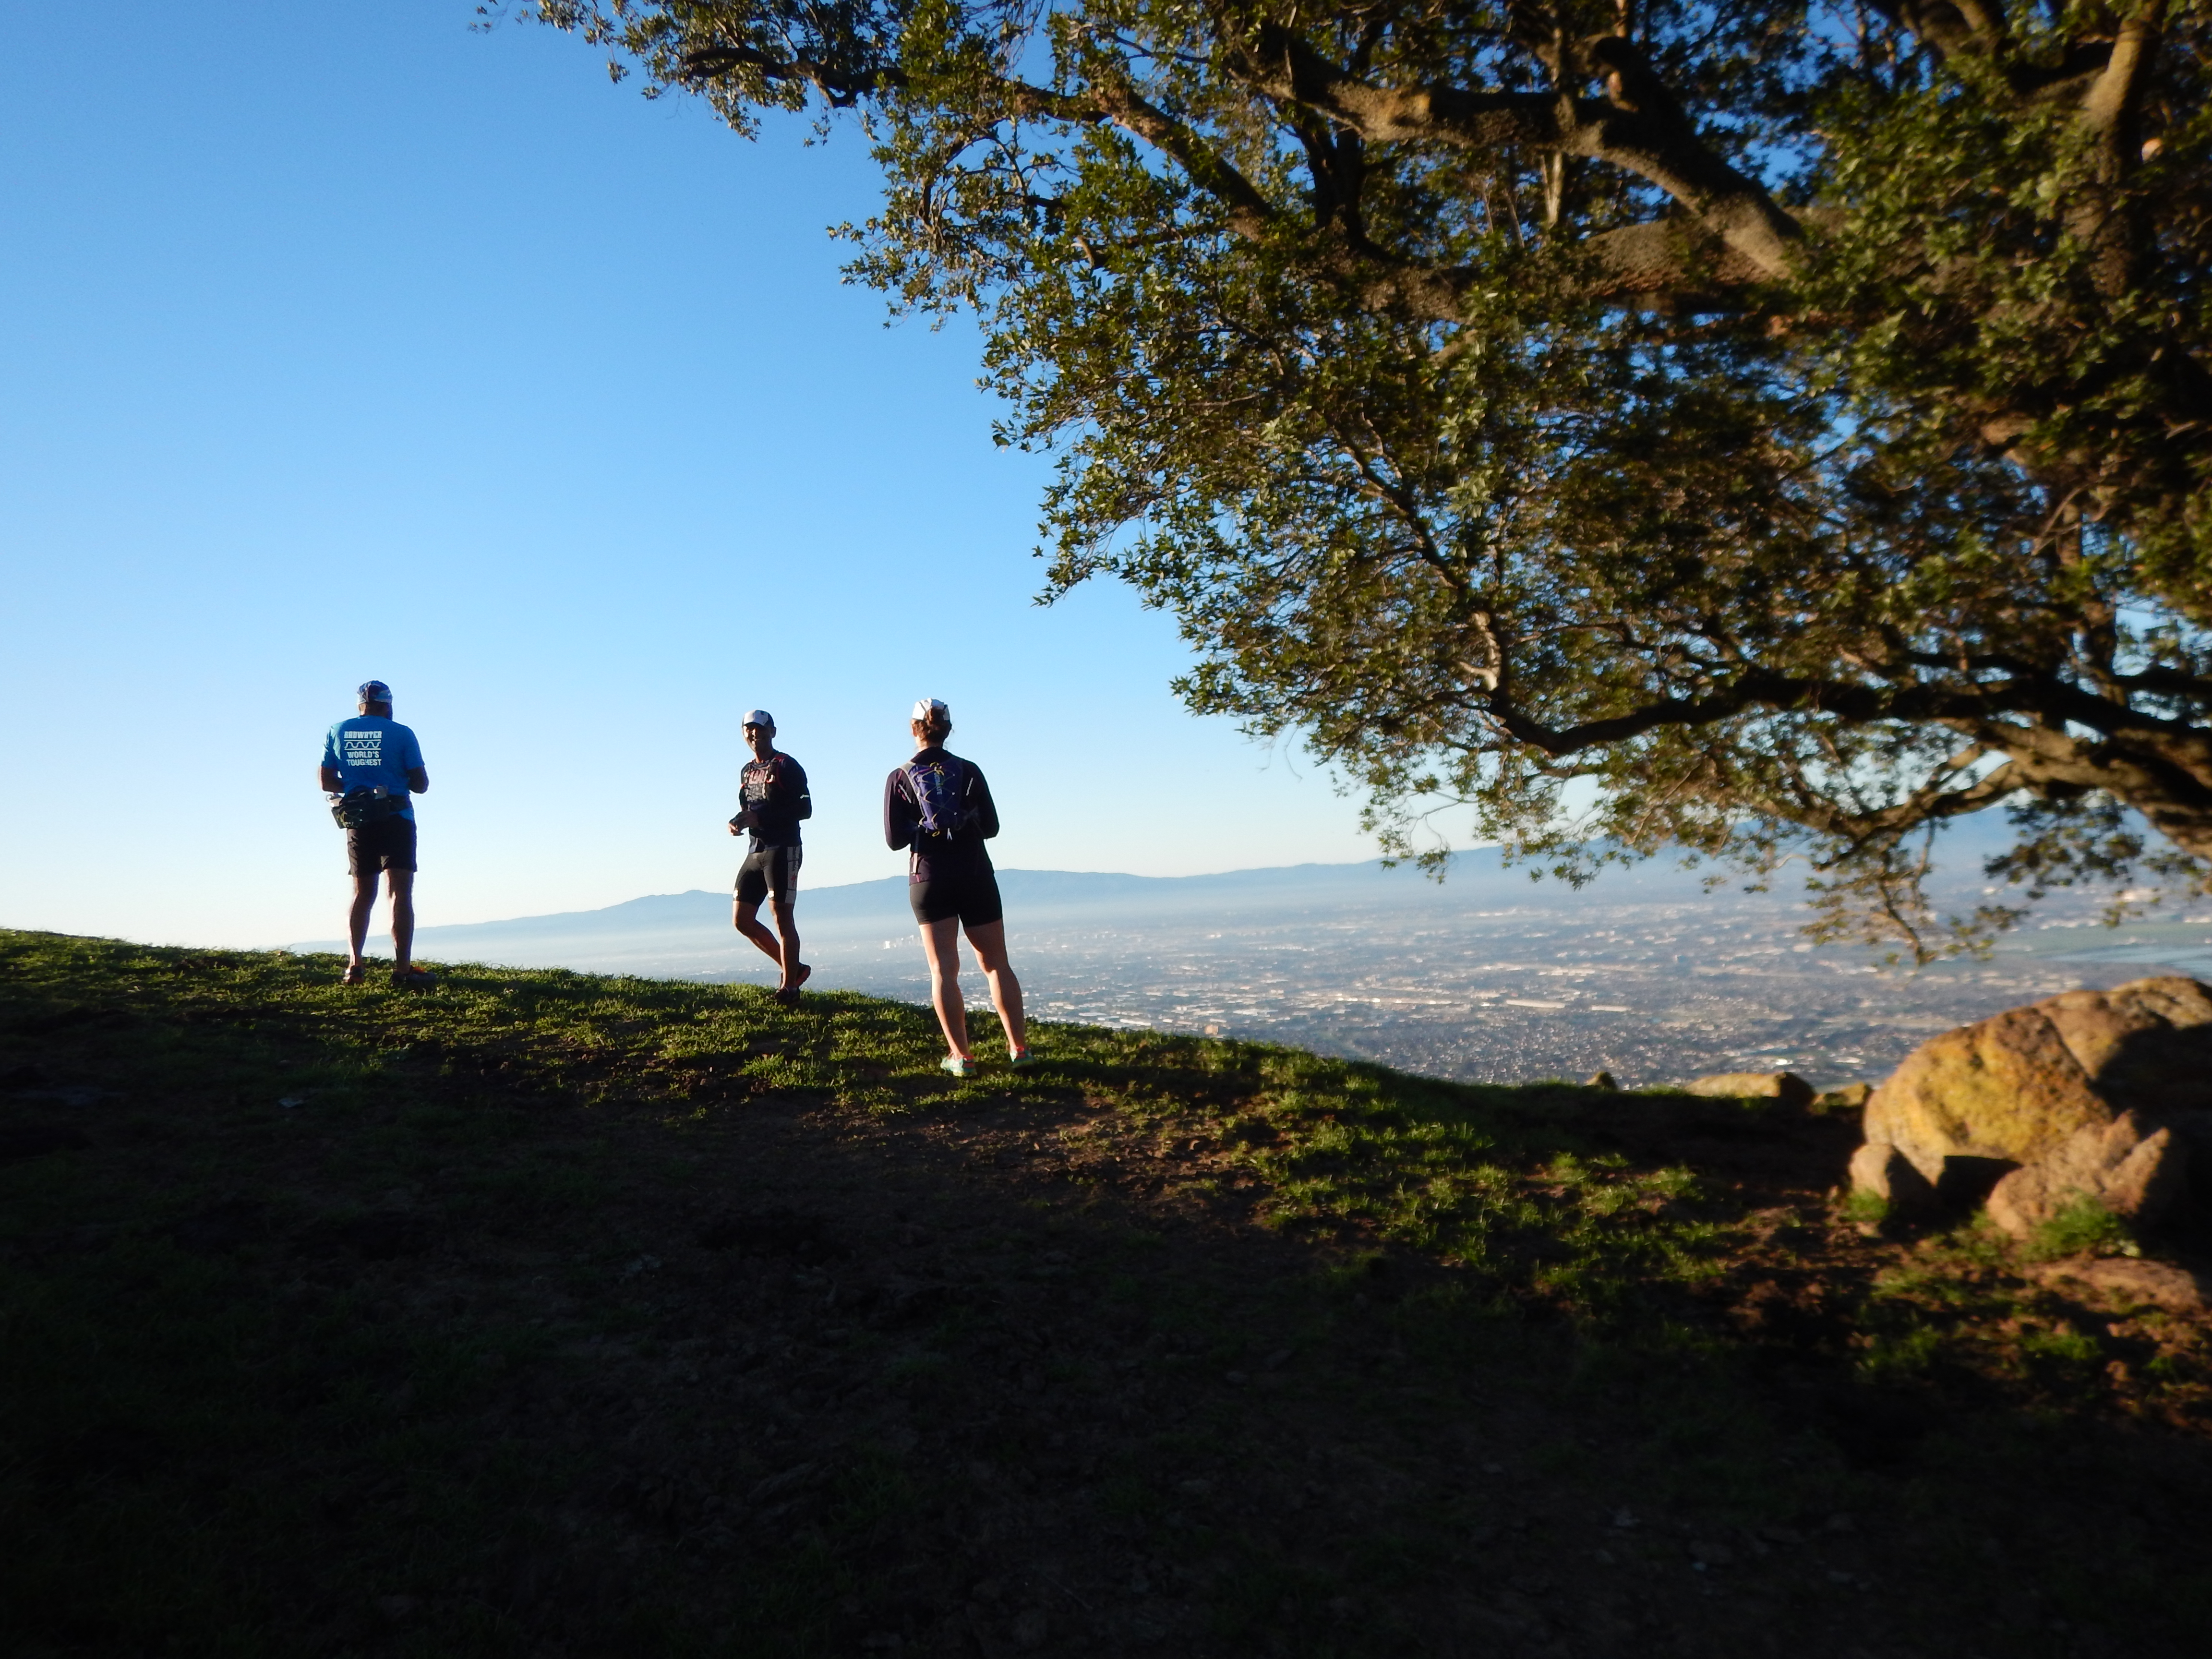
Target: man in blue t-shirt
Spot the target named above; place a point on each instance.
(373, 754)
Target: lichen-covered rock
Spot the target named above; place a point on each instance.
(1883, 1172)
(2015, 1086)
(2136, 1175)
(2007, 1087)
(2146, 1045)
(1785, 1086)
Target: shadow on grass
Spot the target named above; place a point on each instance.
(550, 1314)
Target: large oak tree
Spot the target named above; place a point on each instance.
(1792, 417)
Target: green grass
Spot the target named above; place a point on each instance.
(1482, 1178)
(251, 1403)
(2084, 1226)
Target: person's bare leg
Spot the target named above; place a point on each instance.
(989, 941)
(940, 942)
(402, 918)
(786, 928)
(746, 919)
(364, 901)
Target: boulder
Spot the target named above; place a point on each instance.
(1785, 1086)
(2010, 1089)
(2193, 1129)
(1886, 1173)
(2136, 1175)
(2147, 1045)
(1851, 1097)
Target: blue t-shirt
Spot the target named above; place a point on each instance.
(370, 749)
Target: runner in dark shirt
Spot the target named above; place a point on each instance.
(950, 882)
(772, 799)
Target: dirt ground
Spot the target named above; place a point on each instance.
(1146, 1426)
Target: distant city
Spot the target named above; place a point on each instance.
(1484, 977)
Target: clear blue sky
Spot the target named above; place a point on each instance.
(339, 341)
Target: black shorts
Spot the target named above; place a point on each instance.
(768, 871)
(387, 844)
(970, 895)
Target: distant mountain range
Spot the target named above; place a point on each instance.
(690, 933)
(1646, 972)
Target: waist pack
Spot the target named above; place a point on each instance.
(940, 792)
(365, 804)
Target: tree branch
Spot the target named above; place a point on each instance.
(2108, 109)
(841, 87)
(1949, 30)
(1643, 129)
(1975, 707)
(1672, 264)
(1756, 690)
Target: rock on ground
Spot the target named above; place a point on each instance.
(1851, 1097)
(1785, 1086)
(1886, 1174)
(2135, 1176)
(2012, 1088)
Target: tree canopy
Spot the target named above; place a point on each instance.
(1790, 416)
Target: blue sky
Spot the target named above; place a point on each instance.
(340, 341)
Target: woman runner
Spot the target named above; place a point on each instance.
(939, 805)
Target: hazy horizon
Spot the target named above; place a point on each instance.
(1487, 977)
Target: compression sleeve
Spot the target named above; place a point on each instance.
(801, 798)
(987, 810)
(899, 815)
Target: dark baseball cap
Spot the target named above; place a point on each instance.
(375, 691)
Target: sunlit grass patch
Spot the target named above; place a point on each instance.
(2085, 1226)
(1471, 1175)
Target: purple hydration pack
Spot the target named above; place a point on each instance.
(940, 792)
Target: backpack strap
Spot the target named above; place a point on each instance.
(911, 774)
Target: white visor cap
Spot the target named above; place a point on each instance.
(759, 717)
(928, 707)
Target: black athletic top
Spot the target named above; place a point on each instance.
(903, 817)
(774, 791)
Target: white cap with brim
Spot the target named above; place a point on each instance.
(928, 707)
(759, 717)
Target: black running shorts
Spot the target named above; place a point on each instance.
(768, 871)
(971, 894)
(387, 844)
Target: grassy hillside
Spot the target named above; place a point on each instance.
(548, 1314)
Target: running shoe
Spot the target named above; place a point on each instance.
(1021, 1057)
(957, 1065)
(354, 973)
(412, 979)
